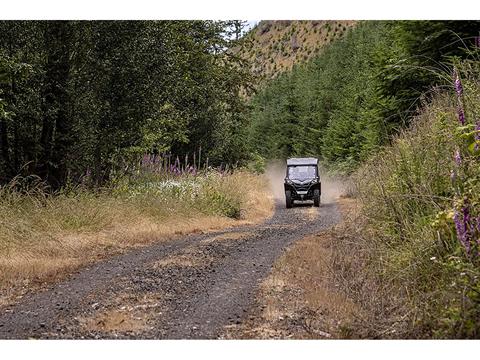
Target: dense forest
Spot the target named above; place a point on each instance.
(92, 97)
(362, 89)
(81, 97)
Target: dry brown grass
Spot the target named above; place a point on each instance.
(43, 242)
(357, 272)
(114, 321)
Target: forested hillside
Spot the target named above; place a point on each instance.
(350, 99)
(84, 97)
(275, 46)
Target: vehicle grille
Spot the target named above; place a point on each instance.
(302, 187)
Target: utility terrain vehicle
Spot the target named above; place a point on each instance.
(302, 181)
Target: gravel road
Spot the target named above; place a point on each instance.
(187, 288)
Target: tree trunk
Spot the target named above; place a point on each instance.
(4, 147)
(56, 136)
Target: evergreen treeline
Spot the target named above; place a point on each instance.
(359, 91)
(79, 96)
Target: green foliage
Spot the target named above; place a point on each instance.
(222, 204)
(81, 95)
(257, 164)
(347, 102)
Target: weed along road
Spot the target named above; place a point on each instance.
(188, 287)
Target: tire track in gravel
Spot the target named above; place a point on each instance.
(189, 287)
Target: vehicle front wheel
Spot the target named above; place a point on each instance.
(288, 199)
(316, 198)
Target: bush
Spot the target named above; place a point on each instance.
(257, 164)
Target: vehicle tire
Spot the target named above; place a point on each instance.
(316, 197)
(288, 199)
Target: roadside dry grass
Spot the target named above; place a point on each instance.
(380, 311)
(42, 238)
(300, 298)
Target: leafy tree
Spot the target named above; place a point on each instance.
(88, 96)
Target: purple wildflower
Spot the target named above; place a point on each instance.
(478, 230)
(477, 41)
(466, 223)
(458, 85)
(458, 158)
(461, 115)
(191, 170)
(87, 176)
(461, 226)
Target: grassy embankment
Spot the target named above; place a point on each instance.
(410, 254)
(44, 237)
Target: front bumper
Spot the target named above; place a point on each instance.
(302, 191)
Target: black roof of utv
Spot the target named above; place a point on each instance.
(302, 161)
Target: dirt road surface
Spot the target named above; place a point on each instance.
(187, 288)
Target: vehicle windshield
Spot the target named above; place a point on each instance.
(302, 172)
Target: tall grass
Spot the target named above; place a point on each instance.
(43, 236)
(415, 268)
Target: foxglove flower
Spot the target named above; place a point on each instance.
(461, 115)
(461, 227)
(466, 226)
(458, 85)
(478, 230)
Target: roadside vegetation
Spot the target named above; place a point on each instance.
(44, 236)
(411, 254)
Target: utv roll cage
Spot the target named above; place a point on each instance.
(302, 181)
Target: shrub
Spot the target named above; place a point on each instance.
(257, 164)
